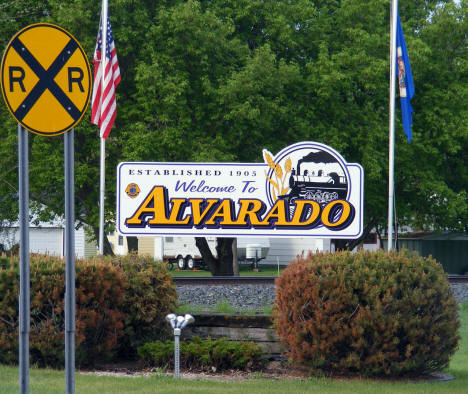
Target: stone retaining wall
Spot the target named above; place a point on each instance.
(256, 328)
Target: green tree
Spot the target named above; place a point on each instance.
(220, 80)
(46, 154)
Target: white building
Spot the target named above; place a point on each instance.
(49, 238)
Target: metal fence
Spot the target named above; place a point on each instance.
(452, 254)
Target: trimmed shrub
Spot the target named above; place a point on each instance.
(9, 294)
(372, 313)
(101, 288)
(109, 304)
(204, 354)
(149, 297)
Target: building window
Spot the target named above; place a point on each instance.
(169, 239)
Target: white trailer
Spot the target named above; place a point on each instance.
(183, 252)
(284, 250)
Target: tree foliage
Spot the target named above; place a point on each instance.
(219, 80)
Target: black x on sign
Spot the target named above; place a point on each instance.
(46, 79)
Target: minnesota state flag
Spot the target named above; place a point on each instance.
(405, 80)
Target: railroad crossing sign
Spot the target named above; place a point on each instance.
(46, 79)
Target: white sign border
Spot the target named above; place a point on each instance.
(207, 232)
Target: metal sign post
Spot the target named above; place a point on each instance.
(24, 307)
(46, 85)
(70, 261)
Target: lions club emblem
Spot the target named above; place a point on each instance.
(132, 190)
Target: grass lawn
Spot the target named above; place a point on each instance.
(50, 381)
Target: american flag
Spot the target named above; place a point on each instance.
(103, 104)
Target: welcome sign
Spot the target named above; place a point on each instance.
(307, 189)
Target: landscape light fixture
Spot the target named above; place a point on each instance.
(178, 323)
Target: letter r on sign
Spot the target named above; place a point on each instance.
(75, 79)
(16, 78)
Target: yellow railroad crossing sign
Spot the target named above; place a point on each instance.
(46, 79)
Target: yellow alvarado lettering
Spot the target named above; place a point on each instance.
(155, 205)
(315, 214)
(337, 214)
(277, 214)
(252, 209)
(197, 213)
(224, 212)
(157, 210)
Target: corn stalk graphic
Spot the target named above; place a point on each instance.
(279, 174)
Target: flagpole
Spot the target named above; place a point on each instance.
(103, 140)
(101, 195)
(391, 145)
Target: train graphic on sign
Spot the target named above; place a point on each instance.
(318, 185)
(307, 174)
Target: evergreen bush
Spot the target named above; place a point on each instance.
(115, 303)
(372, 313)
(149, 297)
(204, 354)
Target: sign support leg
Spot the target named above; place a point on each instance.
(24, 303)
(69, 261)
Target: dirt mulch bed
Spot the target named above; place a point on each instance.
(273, 370)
